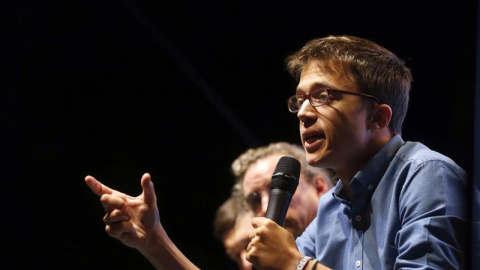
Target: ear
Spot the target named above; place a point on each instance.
(320, 184)
(382, 114)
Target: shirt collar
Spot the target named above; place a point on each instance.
(366, 180)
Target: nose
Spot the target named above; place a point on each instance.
(305, 105)
(306, 111)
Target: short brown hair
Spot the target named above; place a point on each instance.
(373, 69)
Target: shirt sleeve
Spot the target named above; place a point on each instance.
(306, 241)
(433, 217)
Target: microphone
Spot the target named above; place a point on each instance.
(284, 183)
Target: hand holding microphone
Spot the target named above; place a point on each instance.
(284, 183)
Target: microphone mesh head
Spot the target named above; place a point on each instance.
(286, 174)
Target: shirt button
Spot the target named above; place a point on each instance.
(358, 263)
(358, 218)
(370, 187)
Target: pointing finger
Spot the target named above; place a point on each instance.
(96, 186)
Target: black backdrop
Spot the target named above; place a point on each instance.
(179, 89)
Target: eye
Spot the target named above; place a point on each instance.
(297, 100)
(254, 200)
(319, 96)
(300, 100)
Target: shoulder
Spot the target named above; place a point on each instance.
(417, 156)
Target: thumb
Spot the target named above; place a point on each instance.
(258, 221)
(148, 191)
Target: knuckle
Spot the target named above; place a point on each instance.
(104, 198)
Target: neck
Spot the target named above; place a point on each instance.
(347, 173)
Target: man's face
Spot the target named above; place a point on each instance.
(256, 188)
(236, 241)
(334, 135)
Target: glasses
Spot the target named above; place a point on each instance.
(319, 97)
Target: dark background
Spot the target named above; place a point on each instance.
(179, 89)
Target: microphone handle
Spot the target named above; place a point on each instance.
(278, 204)
(277, 208)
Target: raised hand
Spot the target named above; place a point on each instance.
(132, 220)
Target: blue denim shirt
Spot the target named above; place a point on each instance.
(408, 212)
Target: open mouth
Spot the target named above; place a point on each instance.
(312, 141)
(313, 138)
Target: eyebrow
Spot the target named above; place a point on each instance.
(314, 86)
